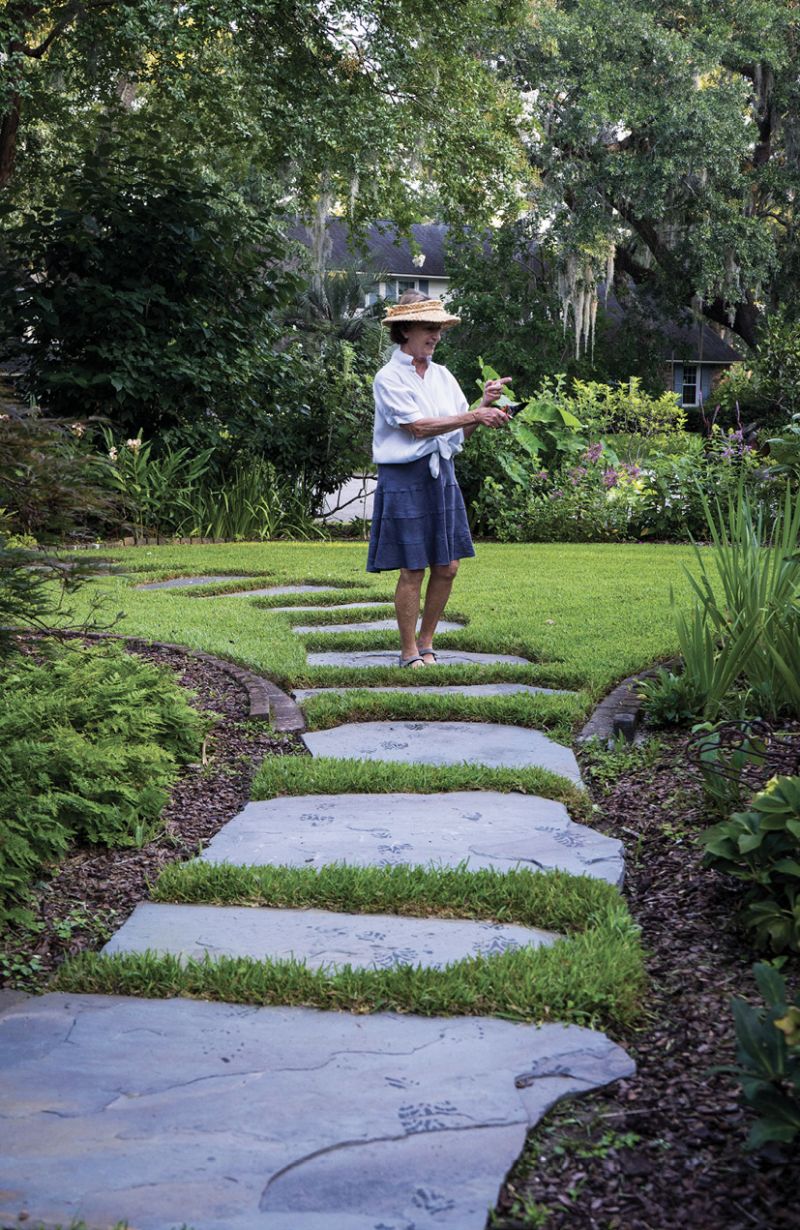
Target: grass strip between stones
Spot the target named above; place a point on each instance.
(558, 715)
(595, 978)
(294, 775)
(552, 900)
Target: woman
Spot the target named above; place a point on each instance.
(422, 419)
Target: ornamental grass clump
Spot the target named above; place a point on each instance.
(740, 641)
(90, 741)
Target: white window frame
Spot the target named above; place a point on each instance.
(693, 367)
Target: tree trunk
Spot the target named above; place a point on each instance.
(8, 139)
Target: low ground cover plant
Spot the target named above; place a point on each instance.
(90, 741)
(768, 1059)
(760, 846)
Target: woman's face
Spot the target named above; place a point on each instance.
(421, 340)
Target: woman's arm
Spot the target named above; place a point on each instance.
(486, 416)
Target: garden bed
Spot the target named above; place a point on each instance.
(664, 1149)
(96, 888)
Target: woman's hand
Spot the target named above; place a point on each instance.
(490, 416)
(492, 390)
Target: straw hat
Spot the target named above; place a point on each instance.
(427, 311)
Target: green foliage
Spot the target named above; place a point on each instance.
(252, 505)
(89, 744)
(308, 100)
(318, 431)
(745, 626)
(142, 290)
(626, 409)
(723, 760)
(554, 900)
(51, 485)
(767, 388)
(761, 847)
(611, 87)
(784, 450)
(768, 1055)
(156, 492)
(669, 699)
(33, 590)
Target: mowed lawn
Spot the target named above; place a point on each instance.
(585, 615)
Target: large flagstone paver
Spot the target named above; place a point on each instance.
(226, 1117)
(484, 829)
(388, 657)
(320, 938)
(183, 582)
(378, 625)
(301, 695)
(441, 743)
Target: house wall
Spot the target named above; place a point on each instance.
(708, 375)
(434, 288)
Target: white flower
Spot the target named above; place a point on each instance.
(133, 445)
(78, 429)
(113, 454)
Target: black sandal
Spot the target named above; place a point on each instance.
(410, 661)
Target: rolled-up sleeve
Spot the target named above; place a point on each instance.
(394, 401)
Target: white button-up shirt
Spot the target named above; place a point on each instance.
(401, 396)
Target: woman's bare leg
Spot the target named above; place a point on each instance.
(440, 584)
(406, 605)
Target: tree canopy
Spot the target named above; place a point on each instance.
(368, 102)
(667, 137)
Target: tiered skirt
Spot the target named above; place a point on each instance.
(417, 520)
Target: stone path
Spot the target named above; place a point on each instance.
(301, 695)
(486, 743)
(231, 1117)
(321, 938)
(377, 625)
(304, 694)
(482, 829)
(387, 657)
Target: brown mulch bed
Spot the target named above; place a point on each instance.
(664, 1149)
(96, 888)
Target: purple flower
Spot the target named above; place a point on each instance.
(610, 477)
(633, 471)
(556, 493)
(577, 474)
(594, 451)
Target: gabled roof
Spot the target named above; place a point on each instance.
(685, 339)
(382, 251)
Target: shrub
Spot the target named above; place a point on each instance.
(610, 409)
(768, 1053)
(89, 744)
(761, 847)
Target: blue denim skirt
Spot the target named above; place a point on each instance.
(417, 520)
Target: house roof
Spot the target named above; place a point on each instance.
(382, 251)
(685, 339)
